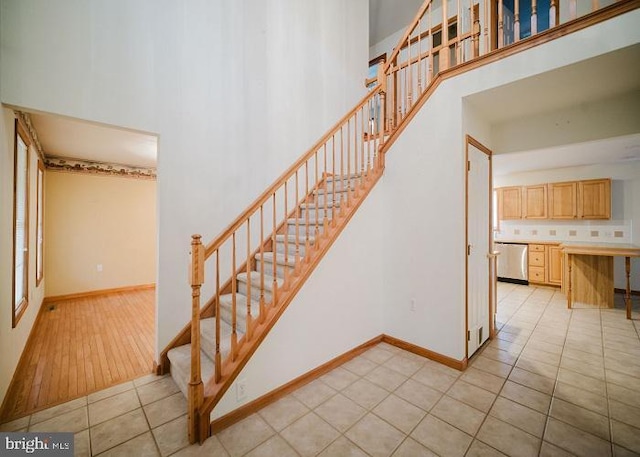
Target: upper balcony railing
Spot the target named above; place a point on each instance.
(447, 33)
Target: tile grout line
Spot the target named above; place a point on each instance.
(555, 384)
(144, 413)
(514, 366)
(606, 388)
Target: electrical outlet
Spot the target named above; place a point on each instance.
(241, 389)
(413, 304)
(99, 268)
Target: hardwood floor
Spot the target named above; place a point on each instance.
(82, 345)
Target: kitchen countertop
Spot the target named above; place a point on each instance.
(529, 242)
(605, 249)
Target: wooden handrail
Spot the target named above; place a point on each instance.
(264, 197)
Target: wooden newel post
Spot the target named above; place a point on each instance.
(196, 279)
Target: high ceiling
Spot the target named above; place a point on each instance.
(389, 16)
(594, 79)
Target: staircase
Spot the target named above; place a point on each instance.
(269, 251)
(298, 240)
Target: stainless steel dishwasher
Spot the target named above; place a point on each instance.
(513, 262)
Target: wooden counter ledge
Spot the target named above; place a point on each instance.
(589, 273)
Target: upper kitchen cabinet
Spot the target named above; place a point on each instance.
(563, 200)
(535, 201)
(594, 199)
(509, 203)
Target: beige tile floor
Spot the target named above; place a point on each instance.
(555, 382)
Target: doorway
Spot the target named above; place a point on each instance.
(479, 242)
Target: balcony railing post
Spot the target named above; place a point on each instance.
(195, 392)
(534, 17)
(444, 50)
(500, 24)
(516, 21)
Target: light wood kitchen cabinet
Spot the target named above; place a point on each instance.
(545, 264)
(509, 203)
(594, 199)
(563, 200)
(537, 263)
(535, 201)
(554, 265)
(589, 199)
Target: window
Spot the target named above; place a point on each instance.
(40, 225)
(21, 224)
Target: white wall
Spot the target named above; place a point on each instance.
(13, 340)
(387, 45)
(625, 205)
(235, 91)
(93, 220)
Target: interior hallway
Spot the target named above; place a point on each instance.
(83, 345)
(555, 382)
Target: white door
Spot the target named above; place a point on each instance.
(478, 245)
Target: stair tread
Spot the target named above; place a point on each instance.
(255, 279)
(303, 221)
(338, 190)
(181, 357)
(292, 238)
(313, 205)
(342, 177)
(208, 337)
(279, 257)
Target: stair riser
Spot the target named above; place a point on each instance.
(255, 288)
(241, 318)
(291, 247)
(302, 228)
(321, 212)
(268, 266)
(181, 379)
(339, 185)
(340, 196)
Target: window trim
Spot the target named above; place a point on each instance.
(18, 311)
(39, 223)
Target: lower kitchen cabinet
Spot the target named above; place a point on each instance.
(545, 264)
(554, 265)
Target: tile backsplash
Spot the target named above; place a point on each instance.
(602, 231)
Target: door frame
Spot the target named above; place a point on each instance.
(470, 141)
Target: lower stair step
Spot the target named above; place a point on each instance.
(291, 244)
(256, 282)
(281, 262)
(226, 311)
(315, 209)
(180, 358)
(208, 337)
(301, 226)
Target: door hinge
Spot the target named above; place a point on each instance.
(468, 165)
(468, 335)
(468, 249)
